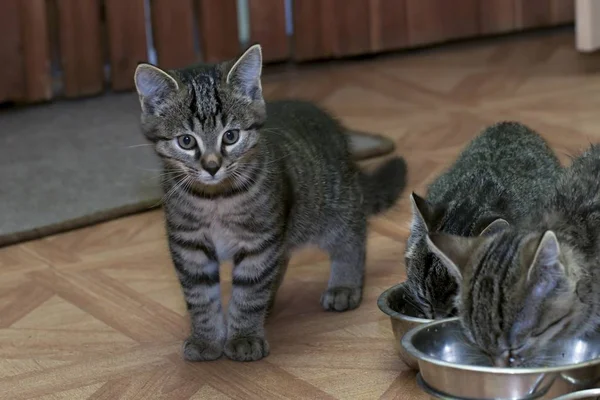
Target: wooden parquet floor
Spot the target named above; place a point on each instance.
(97, 313)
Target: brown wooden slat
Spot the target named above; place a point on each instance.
(532, 13)
(53, 33)
(36, 50)
(218, 23)
(11, 59)
(323, 29)
(424, 22)
(388, 24)
(496, 16)
(312, 38)
(351, 20)
(431, 21)
(126, 40)
(563, 11)
(80, 47)
(173, 25)
(461, 18)
(267, 27)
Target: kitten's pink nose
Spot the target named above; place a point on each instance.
(211, 163)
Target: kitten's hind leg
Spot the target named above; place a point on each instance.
(347, 255)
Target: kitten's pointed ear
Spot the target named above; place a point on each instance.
(546, 265)
(154, 86)
(545, 273)
(245, 74)
(422, 213)
(453, 251)
(494, 227)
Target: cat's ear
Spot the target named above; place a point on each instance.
(453, 251)
(546, 266)
(245, 74)
(545, 273)
(422, 214)
(496, 226)
(154, 86)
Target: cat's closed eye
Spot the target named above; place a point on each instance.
(541, 330)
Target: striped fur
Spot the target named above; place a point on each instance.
(537, 282)
(500, 176)
(288, 181)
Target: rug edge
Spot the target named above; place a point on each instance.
(387, 146)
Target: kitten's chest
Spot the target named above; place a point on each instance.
(226, 241)
(224, 228)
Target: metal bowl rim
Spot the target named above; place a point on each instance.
(385, 308)
(420, 356)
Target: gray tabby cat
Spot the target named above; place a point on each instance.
(250, 181)
(539, 282)
(497, 180)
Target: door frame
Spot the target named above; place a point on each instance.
(587, 25)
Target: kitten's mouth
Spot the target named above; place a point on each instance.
(204, 178)
(507, 361)
(210, 181)
(501, 362)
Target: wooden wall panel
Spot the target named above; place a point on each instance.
(532, 13)
(313, 37)
(496, 16)
(36, 50)
(53, 34)
(173, 28)
(424, 21)
(350, 20)
(460, 18)
(80, 47)
(12, 79)
(431, 21)
(267, 27)
(218, 24)
(337, 28)
(126, 40)
(388, 25)
(563, 11)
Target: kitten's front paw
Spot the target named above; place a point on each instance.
(195, 349)
(251, 348)
(341, 298)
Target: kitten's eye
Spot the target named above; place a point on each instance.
(186, 142)
(231, 136)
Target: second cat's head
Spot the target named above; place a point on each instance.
(204, 121)
(516, 296)
(433, 288)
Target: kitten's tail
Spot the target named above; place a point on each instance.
(382, 187)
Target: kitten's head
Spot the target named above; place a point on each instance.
(203, 121)
(433, 288)
(515, 294)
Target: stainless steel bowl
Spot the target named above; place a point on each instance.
(589, 394)
(396, 303)
(450, 368)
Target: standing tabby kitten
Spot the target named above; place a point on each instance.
(498, 179)
(538, 283)
(250, 181)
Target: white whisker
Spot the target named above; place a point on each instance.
(172, 191)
